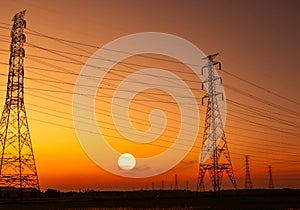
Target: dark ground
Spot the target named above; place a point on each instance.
(162, 199)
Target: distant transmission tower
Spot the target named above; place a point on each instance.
(219, 160)
(271, 183)
(248, 182)
(176, 182)
(17, 164)
(187, 184)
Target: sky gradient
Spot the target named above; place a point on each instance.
(258, 42)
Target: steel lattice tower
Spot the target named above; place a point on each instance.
(162, 184)
(17, 164)
(271, 183)
(176, 183)
(248, 182)
(219, 160)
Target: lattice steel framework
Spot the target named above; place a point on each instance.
(176, 183)
(271, 183)
(219, 160)
(248, 182)
(17, 164)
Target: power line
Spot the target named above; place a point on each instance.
(55, 86)
(35, 33)
(231, 74)
(260, 100)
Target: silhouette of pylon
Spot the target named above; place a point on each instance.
(17, 164)
(176, 182)
(219, 161)
(248, 182)
(187, 184)
(271, 183)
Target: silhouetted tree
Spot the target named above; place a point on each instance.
(52, 193)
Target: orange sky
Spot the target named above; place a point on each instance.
(257, 42)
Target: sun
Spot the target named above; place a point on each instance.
(126, 161)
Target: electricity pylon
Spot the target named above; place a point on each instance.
(187, 184)
(248, 182)
(219, 161)
(17, 164)
(271, 183)
(176, 182)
